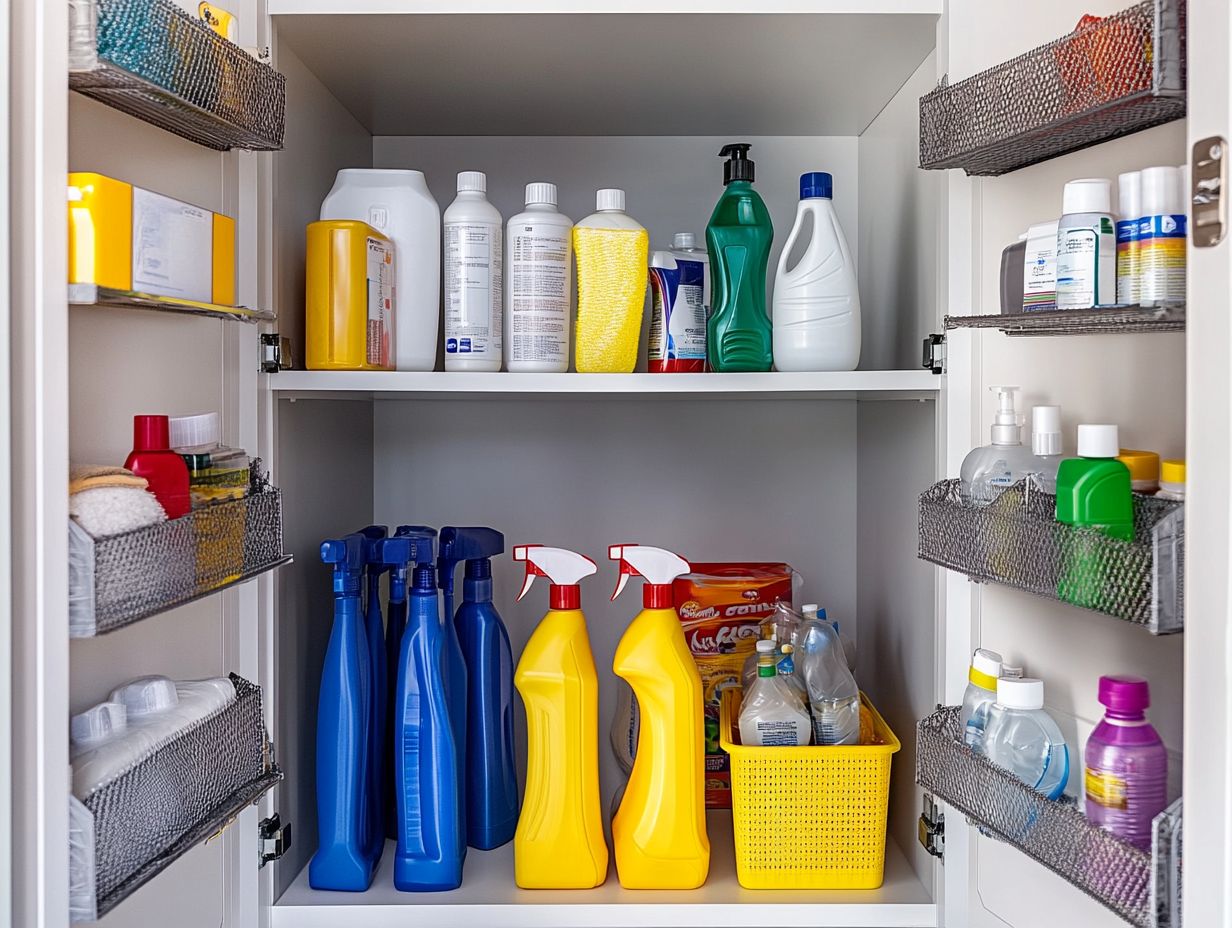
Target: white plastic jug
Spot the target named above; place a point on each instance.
(816, 307)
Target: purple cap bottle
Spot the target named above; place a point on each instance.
(1126, 763)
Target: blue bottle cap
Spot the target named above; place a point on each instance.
(816, 184)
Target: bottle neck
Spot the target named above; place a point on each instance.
(766, 669)
(424, 580)
(477, 584)
(565, 596)
(657, 596)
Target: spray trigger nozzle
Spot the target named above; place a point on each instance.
(660, 567)
(561, 566)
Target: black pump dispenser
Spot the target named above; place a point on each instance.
(738, 167)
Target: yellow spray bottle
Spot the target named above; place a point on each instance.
(659, 831)
(559, 841)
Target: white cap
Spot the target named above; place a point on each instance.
(472, 180)
(1129, 195)
(1087, 195)
(610, 198)
(1010, 672)
(98, 723)
(809, 610)
(684, 240)
(146, 696)
(1046, 430)
(541, 193)
(986, 662)
(1006, 429)
(1160, 188)
(1098, 441)
(766, 646)
(1020, 693)
(194, 431)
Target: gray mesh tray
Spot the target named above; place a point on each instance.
(1141, 887)
(177, 797)
(1017, 541)
(1110, 320)
(150, 59)
(122, 579)
(1120, 75)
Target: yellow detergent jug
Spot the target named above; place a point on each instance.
(659, 831)
(559, 841)
(349, 308)
(612, 250)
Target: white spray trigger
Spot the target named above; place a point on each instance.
(560, 565)
(657, 565)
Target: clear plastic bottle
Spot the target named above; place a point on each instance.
(1047, 444)
(771, 714)
(834, 698)
(988, 470)
(981, 693)
(1023, 739)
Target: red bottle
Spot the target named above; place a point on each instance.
(153, 459)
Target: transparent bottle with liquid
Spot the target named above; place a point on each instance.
(771, 714)
(1023, 738)
(1047, 445)
(979, 696)
(988, 470)
(834, 698)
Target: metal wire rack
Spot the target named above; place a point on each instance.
(1111, 320)
(1108, 78)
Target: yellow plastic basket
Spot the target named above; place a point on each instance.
(808, 817)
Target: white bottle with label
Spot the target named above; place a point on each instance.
(397, 203)
(771, 713)
(1086, 246)
(474, 291)
(538, 278)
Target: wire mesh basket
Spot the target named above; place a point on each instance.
(1110, 320)
(1108, 78)
(121, 579)
(1141, 887)
(131, 828)
(1017, 541)
(150, 59)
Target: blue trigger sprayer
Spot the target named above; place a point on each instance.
(344, 860)
(374, 633)
(491, 777)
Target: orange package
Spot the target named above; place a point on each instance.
(721, 607)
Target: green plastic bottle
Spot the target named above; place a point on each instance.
(738, 333)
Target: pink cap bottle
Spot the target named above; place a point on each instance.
(153, 459)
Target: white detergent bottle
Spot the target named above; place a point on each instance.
(771, 714)
(538, 251)
(474, 290)
(816, 306)
(979, 696)
(988, 470)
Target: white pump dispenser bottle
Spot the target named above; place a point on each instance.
(988, 470)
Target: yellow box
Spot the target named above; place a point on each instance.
(127, 238)
(349, 309)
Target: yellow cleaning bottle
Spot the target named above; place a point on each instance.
(659, 831)
(559, 841)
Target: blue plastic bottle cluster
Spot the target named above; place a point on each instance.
(415, 722)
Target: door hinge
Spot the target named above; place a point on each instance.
(274, 838)
(1208, 194)
(275, 353)
(934, 353)
(932, 828)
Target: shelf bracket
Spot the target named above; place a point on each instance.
(931, 830)
(273, 839)
(934, 353)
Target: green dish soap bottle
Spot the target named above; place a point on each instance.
(738, 333)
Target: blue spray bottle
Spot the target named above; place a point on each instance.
(374, 631)
(344, 860)
(491, 777)
(430, 834)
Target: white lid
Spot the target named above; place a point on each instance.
(1006, 429)
(1087, 195)
(1045, 230)
(1160, 186)
(1046, 430)
(1020, 693)
(610, 198)
(98, 723)
(986, 662)
(766, 646)
(146, 696)
(194, 431)
(809, 610)
(1098, 441)
(472, 180)
(684, 240)
(1129, 195)
(541, 193)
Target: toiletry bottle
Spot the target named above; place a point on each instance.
(1126, 763)
(344, 859)
(538, 261)
(979, 696)
(350, 305)
(427, 757)
(491, 777)
(474, 289)
(771, 714)
(738, 238)
(611, 249)
(1039, 267)
(153, 459)
(1129, 215)
(677, 340)
(1171, 481)
(1047, 445)
(1022, 737)
(988, 470)
(659, 831)
(1162, 237)
(559, 842)
(1143, 469)
(374, 633)
(1086, 246)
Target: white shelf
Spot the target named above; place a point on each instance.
(488, 897)
(402, 384)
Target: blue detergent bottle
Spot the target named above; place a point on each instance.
(491, 777)
(374, 631)
(344, 859)
(431, 836)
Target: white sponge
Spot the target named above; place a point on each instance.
(107, 511)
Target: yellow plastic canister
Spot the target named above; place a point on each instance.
(349, 297)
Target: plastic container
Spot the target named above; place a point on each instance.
(398, 204)
(811, 817)
(1126, 777)
(677, 341)
(1086, 246)
(1143, 469)
(817, 299)
(1129, 217)
(164, 470)
(1172, 480)
(538, 279)
(611, 250)
(771, 714)
(832, 693)
(1022, 738)
(1047, 444)
(979, 696)
(1039, 268)
(988, 470)
(474, 286)
(349, 303)
(382, 692)
(1095, 489)
(739, 336)
(1013, 262)
(1162, 237)
(215, 471)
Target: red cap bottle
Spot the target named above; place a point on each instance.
(153, 459)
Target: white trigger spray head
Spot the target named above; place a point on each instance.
(660, 567)
(563, 568)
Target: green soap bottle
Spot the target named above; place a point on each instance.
(738, 333)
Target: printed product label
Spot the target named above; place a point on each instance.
(473, 288)
(1106, 789)
(678, 322)
(1086, 266)
(777, 732)
(1161, 258)
(1127, 261)
(173, 247)
(380, 302)
(539, 293)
